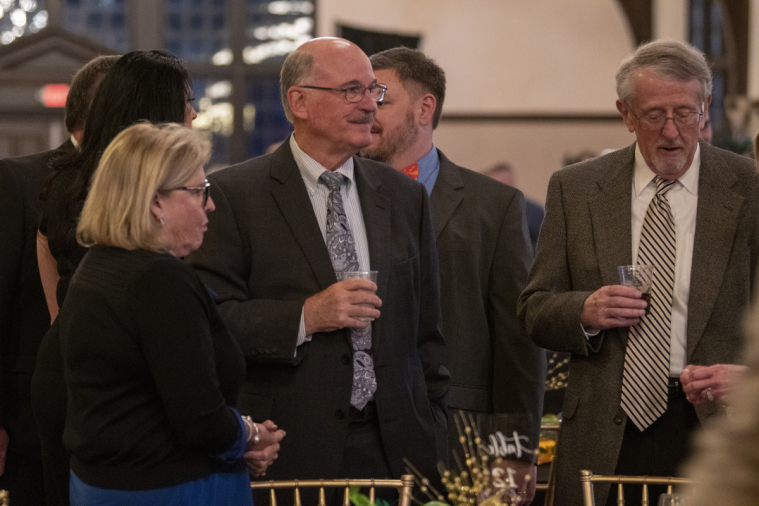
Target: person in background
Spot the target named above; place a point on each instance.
(142, 85)
(706, 129)
(352, 369)
(571, 158)
(151, 371)
(24, 316)
(640, 384)
(482, 244)
(504, 173)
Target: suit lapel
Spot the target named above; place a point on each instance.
(375, 208)
(611, 217)
(716, 223)
(293, 201)
(446, 194)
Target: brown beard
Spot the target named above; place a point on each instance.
(394, 142)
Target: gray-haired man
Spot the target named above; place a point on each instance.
(669, 200)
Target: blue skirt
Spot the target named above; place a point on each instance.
(227, 489)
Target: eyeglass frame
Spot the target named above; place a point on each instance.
(206, 189)
(673, 118)
(359, 95)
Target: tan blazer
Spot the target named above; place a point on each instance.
(585, 236)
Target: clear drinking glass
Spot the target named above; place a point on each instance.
(370, 275)
(638, 276)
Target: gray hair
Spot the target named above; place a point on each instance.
(670, 59)
(297, 65)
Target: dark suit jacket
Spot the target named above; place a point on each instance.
(535, 213)
(264, 255)
(24, 317)
(485, 256)
(586, 235)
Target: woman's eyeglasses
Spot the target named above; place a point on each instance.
(197, 190)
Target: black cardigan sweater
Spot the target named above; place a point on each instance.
(151, 372)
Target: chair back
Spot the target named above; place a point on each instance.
(588, 479)
(550, 484)
(404, 486)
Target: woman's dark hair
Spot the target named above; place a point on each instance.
(142, 85)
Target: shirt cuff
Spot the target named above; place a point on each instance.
(588, 335)
(302, 337)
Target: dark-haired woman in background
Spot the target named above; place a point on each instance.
(143, 85)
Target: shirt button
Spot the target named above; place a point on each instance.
(339, 414)
(618, 420)
(345, 359)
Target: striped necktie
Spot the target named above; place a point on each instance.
(342, 252)
(646, 371)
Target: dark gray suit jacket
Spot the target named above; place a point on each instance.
(485, 256)
(264, 254)
(586, 235)
(24, 317)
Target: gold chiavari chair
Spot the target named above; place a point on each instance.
(588, 479)
(4, 499)
(404, 486)
(549, 485)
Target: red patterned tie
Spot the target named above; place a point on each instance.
(412, 171)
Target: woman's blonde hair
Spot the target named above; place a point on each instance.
(141, 161)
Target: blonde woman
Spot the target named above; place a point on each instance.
(151, 371)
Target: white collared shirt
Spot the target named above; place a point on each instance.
(683, 200)
(310, 171)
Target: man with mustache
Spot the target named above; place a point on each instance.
(640, 383)
(352, 370)
(483, 246)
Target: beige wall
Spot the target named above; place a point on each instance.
(506, 57)
(534, 148)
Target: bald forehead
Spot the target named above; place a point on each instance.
(324, 45)
(335, 58)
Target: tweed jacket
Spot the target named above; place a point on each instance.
(586, 235)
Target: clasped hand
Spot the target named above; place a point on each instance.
(702, 384)
(259, 456)
(349, 303)
(612, 306)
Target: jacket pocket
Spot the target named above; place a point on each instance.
(570, 405)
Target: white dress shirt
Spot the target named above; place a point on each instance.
(318, 192)
(683, 200)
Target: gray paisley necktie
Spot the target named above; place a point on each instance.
(342, 252)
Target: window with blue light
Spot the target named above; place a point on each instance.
(103, 21)
(264, 118)
(275, 28)
(196, 29)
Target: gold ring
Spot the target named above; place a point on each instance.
(709, 394)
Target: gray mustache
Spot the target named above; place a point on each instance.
(363, 120)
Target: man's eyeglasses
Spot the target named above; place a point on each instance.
(355, 93)
(657, 120)
(196, 190)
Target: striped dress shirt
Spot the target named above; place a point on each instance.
(310, 170)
